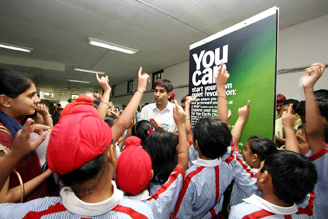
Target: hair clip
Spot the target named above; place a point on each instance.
(150, 131)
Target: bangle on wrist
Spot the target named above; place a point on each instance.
(224, 96)
(46, 116)
(140, 90)
(187, 118)
(104, 102)
(183, 153)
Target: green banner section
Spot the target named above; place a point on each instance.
(250, 56)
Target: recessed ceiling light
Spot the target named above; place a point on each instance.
(88, 70)
(112, 46)
(77, 81)
(15, 47)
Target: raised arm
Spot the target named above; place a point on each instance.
(236, 131)
(288, 120)
(189, 101)
(183, 150)
(125, 118)
(221, 78)
(103, 105)
(314, 124)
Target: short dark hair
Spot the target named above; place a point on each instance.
(165, 83)
(213, 137)
(261, 146)
(140, 129)
(323, 106)
(293, 175)
(292, 101)
(96, 103)
(300, 109)
(321, 94)
(90, 171)
(13, 82)
(161, 148)
(184, 99)
(110, 120)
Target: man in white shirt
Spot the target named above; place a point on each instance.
(160, 113)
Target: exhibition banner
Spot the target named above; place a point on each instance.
(249, 50)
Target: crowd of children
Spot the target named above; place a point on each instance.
(156, 173)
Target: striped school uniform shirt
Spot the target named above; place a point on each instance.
(70, 206)
(204, 185)
(320, 160)
(245, 181)
(256, 207)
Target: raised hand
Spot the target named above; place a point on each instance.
(312, 74)
(178, 114)
(243, 112)
(142, 80)
(222, 76)
(190, 99)
(103, 82)
(288, 118)
(23, 145)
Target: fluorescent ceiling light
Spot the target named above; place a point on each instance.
(86, 82)
(112, 46)
(88, 70)
(15, 47)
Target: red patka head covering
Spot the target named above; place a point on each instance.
(171, 97)
(77, 139)
(134, 167)
(281, 99)
(82, 100)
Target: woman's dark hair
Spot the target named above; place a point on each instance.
(293, 175)
(213, 137)
(110, 120)
(140, 129)
(13, 82)
(261, 146)
(161, 148)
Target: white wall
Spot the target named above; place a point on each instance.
(299, 46)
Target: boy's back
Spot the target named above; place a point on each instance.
(204, 185)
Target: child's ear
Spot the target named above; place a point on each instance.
(111, 154)
(255, 157)
(152, 174)
(264, 177)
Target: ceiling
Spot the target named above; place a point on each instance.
(161, 30)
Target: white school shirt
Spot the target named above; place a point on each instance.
(165, 198)
(320, 160)
(203, 187)
(165, 116)
(245, 181)
(256, 207)
(70, 206)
